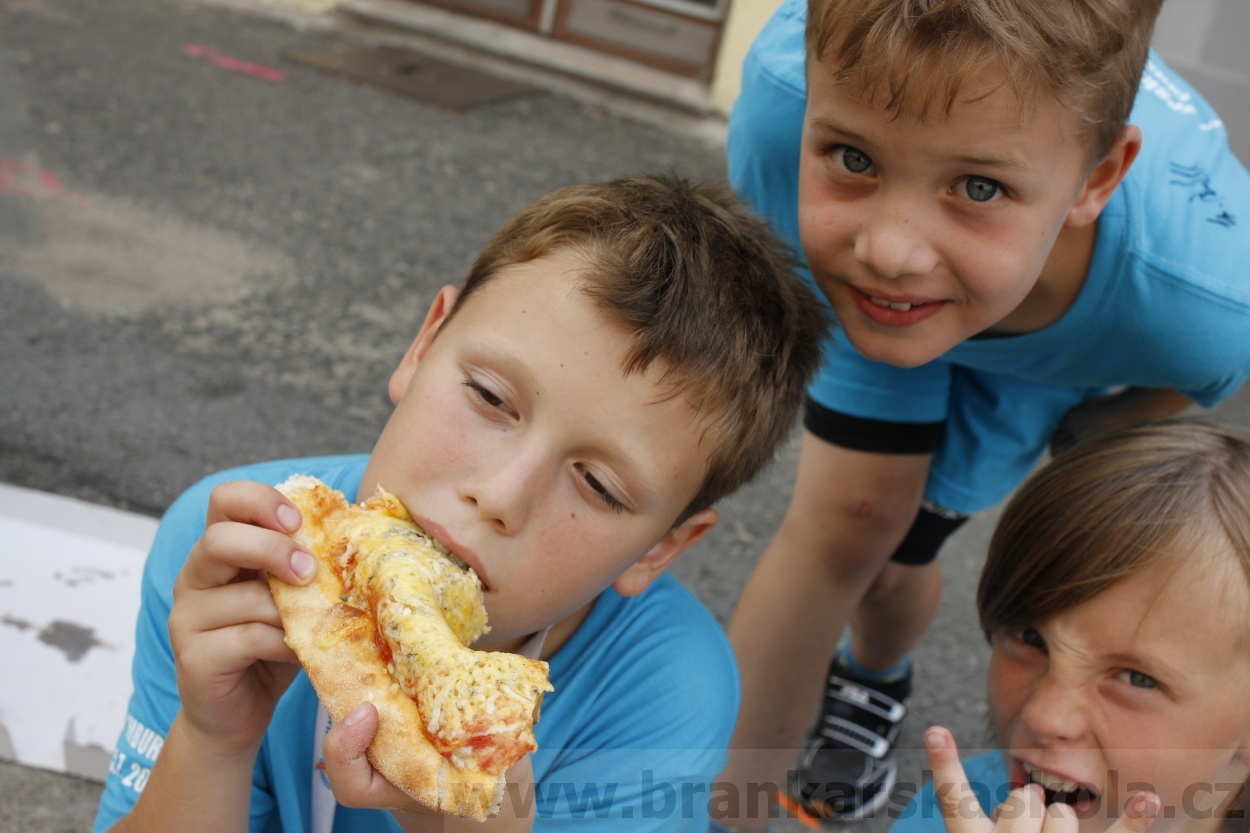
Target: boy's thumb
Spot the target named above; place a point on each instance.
(354, 734)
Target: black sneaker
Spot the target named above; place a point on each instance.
(847, 769)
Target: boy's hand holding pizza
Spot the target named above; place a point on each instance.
(357, 784)
(234, 661)
(227, 639)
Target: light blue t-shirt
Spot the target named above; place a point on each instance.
(646, 695)
(1166, 302)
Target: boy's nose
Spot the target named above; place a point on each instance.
(504, 488)
(893, 245)
(1055, 710)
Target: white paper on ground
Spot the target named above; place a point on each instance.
(69, 596)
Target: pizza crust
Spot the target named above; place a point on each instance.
(337, 645)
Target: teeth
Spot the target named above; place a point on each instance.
(898, 305)
(1051, 782)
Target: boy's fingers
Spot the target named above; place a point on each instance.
(231, 604)
(958, 802)
(1142, 810)
(252, 503)
(1023, 811)
(1058, 817)
(248, 505)
(230, 550)
(231, 650)
(352, 778)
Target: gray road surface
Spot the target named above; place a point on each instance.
(200, 268)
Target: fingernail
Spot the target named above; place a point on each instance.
(1146, 805)
(289, 517)
(934, 740)
(357, 715)
(303, 564)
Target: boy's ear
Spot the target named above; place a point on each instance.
(1105, 178)
(440, 308)
(641, 573)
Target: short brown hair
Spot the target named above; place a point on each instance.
(704, 287)
(1109, 508)
(914, 55)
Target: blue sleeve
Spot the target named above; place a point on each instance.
(766, 123)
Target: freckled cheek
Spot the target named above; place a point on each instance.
(561, 574)
(439, 438)
(439, 461)
(994, 272)
(1176, 750)
(825, 226)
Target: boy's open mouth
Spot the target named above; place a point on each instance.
(1058, 790)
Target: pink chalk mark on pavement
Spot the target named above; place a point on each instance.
(208, 53)
(27, 180)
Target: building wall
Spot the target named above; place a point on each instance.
(745, 19)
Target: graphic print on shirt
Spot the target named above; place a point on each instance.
(138, 750)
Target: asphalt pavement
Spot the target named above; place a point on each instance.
(212, 255)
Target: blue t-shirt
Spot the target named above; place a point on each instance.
(646, 695)
(1166, 302)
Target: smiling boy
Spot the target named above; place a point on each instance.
(621, 356)
(1014, 262)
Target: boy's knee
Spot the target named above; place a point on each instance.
(851, 559)
(895, 580)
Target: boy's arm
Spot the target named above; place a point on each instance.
(1125, 407)
(232, 664)
(192, 789)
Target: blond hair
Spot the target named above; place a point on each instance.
(914, 56)
(703, 287)
(1112, 507)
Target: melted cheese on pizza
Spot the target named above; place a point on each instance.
(478, 707)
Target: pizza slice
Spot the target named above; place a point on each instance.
(388, 619)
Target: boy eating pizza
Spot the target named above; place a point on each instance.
(620, 357)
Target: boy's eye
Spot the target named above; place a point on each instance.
(483, 393)
(981, 189)
(854, 160)
(1032, 638)
(600, 490)
(1139, 680)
